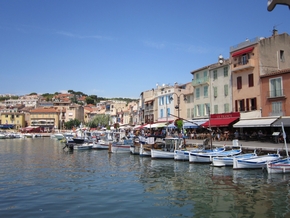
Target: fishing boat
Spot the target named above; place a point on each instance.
(183, 154)
(147, 143)
(166, 149)
(122, 146)
(58, 136)
(281, 165)
(228, 160)
(84, 146)
(255, 162)
(104, 140)
(206, 157)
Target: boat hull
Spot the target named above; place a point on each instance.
(159, 154)
(182, 155)
(258, 162)
(83, 147)
(279, 166)
(228, 161)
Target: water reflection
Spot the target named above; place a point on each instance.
(103, 184)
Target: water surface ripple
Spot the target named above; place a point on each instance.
(39, 179)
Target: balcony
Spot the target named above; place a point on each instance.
(277, 113)
(243, 65)
(198, 82)
(277, 93)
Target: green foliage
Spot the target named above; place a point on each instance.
(72, 123)
(179, 124)
(90, 100)
(47, 96)
(33, 93)
(100, 120)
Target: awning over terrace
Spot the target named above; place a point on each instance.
(258, 122)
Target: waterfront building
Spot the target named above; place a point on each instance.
(45, 118)
(27, 101)
(12, 120)
(275, 93)
(212, 89)
(250, 60)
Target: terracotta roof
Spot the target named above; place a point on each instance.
(44, 110)
(287, 70)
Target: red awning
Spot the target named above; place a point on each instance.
(220, 122)
(244, 51)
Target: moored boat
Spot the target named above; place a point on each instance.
(166, 150)
(84, 146)
(255, 162)
(228, 160)
(279, 166)
(206, 157)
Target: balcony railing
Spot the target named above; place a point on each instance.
(196, 82)
(277, 113)
(277, 93)
(243, 65)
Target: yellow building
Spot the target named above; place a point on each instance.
(15, 120)
(47, 118)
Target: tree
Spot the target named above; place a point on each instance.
(90, 100)
(100, 120)
(72, 123)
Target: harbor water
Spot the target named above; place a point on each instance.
(40, 179)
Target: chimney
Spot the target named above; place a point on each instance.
(275, 32)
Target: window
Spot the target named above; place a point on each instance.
(168, 112)
(161, 113)
(276, 87)
(197, 108)
(204, 74)
(251, 80)
(205, 91)
(282, 56)
(239, 82)
(215, 92)
(206, 109)
(215, 108)
(197, 93)
(188, 113)
(241, 105)
(253, 104)
(277, 108)
(161, 100)
(214, 74)
(226, 108)
(167, 97)
(244, 59)
(226, 90)
(226, 71)
(192, 112)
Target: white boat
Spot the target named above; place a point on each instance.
(166, 151)
(255, 162)
(146, 144)
(104, 140)
(84, 146)
(228, 160)
(122, 146)
(58, 136)
(3, 136)
(183, 154)
(135, 147)
(206, 157)
(281, 165)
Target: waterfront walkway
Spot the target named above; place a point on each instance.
(246, 145)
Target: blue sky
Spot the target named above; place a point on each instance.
(119, 48)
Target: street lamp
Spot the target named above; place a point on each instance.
(178, 101)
